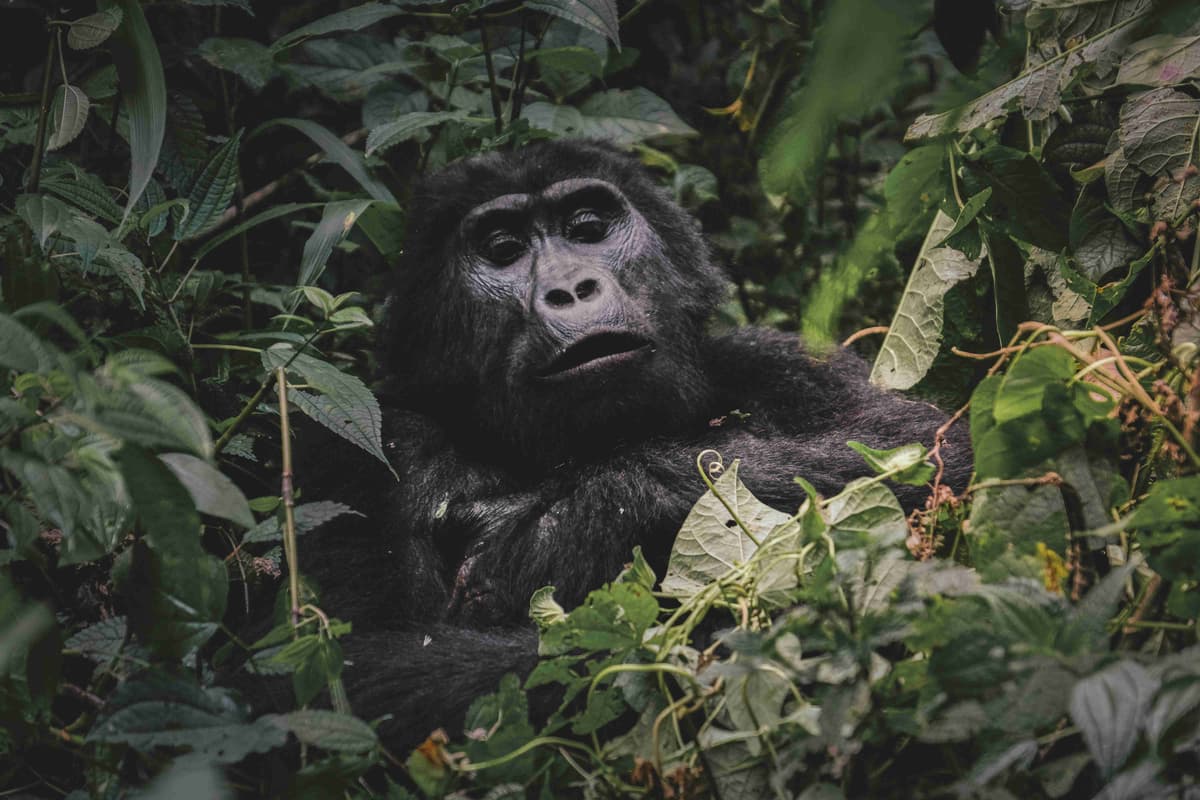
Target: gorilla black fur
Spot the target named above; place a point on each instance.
(549, 382)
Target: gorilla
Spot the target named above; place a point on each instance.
(548, 381)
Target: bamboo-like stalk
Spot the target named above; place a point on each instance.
(289, 500)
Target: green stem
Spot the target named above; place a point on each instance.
(39, 141)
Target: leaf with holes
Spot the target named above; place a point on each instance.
(711, 543)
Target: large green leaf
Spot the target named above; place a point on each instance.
(254, 63)
(329, 730)
(44, 215)
(711, 543)
(915, 335)
(212, 190)
(212, 492)
(345, 405)
(94, 29)
(351, 19)
(1109, 709)
(622, 116)
(596, 15)
(21, 349)
(143, 95)
(159, 711)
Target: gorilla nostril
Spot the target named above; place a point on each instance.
(559, 298)
(585, 289)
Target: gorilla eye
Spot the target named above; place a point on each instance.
(587, 226)
(502, 248)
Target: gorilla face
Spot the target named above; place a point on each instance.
(550, 317)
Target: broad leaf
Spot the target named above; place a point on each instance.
(252, 62)
(329, 730)
(595, 15)
(143, 95)
(212, 190)
(70, 113)
(915, 335)
(406, 127)
(351, 19)
(1109, 709)
(94, 29)
(212, 492)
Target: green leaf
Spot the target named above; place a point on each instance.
(1023, 387)
(1156, 130)
(211, 191)
(101, 642)
(914, 338)
(1168, 522)
(308, 517)
(44, 215)
(70, 113)
(622, 116)
(914, 188)
(65, 502)
(1162, 60)
(212, 492)
(345, 405)
(595, 15)
(337, 220)
(1109, 708)
(22, 350)
(164, 506)
(254, 63)
(1024, 196)
(338, 152)
(158, 711)
(351, 19)
(87, 32)
(907, 462)
(711, 543)
(866, 513)
(329, 730)
(967, 214)
(127, 267)
(89, 237)
(143, 95)
(87, 192)
(1007, 264)
(544, 610)
(407, 126)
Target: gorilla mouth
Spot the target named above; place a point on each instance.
(594, 353)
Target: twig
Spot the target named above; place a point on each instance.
(861, 334)
(289, 499)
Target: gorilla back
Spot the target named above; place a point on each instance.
(549, 382)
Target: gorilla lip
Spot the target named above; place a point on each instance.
(595, 352)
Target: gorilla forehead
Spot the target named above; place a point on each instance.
(444, 199)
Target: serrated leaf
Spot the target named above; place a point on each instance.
(70, 113)
(1161, 61)
(1109, 709)
(711, 543)
(345, 406)
(143, 94)
(595, 15)
(866, 513)
(407, 126)
(213, 493)
(329, 730)
(337, 220)
(915, 335)
(254, 63)
(21, 349)
(127, 267)
(87, 32)
(85, 192)
(1157, 129)
(158, 711)
(308, 517)
(338, 152)
(351, 19)
(211, 191)
(101, 642)
(89, 237)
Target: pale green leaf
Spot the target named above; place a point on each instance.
(336, 222)
(70, 113)
(87, 32)
(43, 214)
(913, 340)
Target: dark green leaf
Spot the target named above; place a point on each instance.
(143, 95)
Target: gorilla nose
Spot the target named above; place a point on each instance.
(584, 291)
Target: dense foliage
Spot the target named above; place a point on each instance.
(200, 208)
